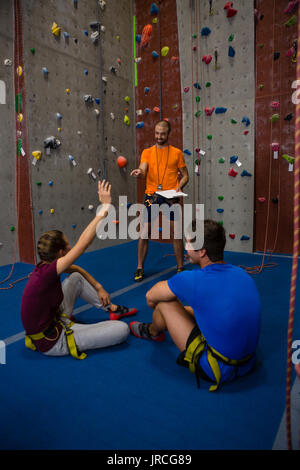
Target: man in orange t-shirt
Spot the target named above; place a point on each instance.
(160, 165)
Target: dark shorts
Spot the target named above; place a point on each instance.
(154, 201)
(180, 360)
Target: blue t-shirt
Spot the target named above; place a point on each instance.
(227, 310)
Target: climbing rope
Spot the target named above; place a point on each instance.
(295, 259)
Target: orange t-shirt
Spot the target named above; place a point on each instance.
(163, 164)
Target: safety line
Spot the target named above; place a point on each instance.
(295, 259)
(134, 52)
(18, 336)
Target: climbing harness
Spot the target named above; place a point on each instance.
(69, 337)
(197, 347)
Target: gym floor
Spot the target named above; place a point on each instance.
(134, 396)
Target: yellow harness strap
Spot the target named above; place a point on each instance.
(69, 337)
(194, 351)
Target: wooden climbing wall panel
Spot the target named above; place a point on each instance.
(161, 75)
(276, 32)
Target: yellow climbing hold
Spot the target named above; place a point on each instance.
(20, 117)
(51, 211)
(37, 154)
(55, 29)
(19, 70)
(127, 121)
(165, 51)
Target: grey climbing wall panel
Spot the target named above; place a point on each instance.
(60, 71)
(8, 219)
(230, 86)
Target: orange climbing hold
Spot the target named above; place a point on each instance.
(121, 161)
(146, 35)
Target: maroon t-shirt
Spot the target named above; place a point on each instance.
(41, 299)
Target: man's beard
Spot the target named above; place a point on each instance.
(161, 142)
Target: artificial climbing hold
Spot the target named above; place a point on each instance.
(230, 11)
(126, 120)
(261, 199)
(140, 124)
(232, 172)
(245, 173)
(154, 9)
(246, 121)
(274, 117)
(231, 51)
(291, 21)
(55, 29)
(245, 237)
(146, 35)
(220, 110)
(232, 235)
(207, 59)
(205, 31)
(165, 51)
(155, 55)
(221, 160)
(121, 161)
(209, 111)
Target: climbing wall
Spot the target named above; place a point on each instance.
(78, 66)
(216, 50)
(8, 213)
(157, 84)
(276, 33)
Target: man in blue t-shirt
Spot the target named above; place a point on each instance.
(217, 333)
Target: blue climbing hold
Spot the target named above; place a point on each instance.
(155, 54)
(147, 110)
(245, 173)
(197, 86)
(233, 159)
(146, 89)
(245, 237)
(220, 211)
(139, 125)
(138, 38)
(220, 110)
(205, 31)
(246, 121)
(231, 51)
(154, 9)
(187, 152)
(97, 100)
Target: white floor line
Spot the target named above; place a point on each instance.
(17, 337)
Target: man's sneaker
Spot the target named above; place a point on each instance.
(141, 330)
(121, 312)
(139, 275)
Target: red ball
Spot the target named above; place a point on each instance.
(121, 161)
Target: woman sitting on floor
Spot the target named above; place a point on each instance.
(47, 304)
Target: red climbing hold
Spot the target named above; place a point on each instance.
(232, 235)
(121, 161)
(207, 59)
(232, 172)
(209, 111)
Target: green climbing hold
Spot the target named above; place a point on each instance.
(32, 50)
(194, 36)
(221, 160)
(231, 38)
(261, 45)
(291, 21)
(197, 99)
(220, 198)
(198, 113)
(38, 183)
(233, 121)
(12, 228)
(289, 159)
(274, 118)
(220, 222)
(208, 84)
(209, 137)
(261, 86)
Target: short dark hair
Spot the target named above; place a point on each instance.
(214, 239)
(49, 245)
(165, 123)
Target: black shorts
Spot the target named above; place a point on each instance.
(180, 359)
(153, 199)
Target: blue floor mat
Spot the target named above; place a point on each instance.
(134, 396)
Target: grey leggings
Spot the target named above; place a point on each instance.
(89, 336)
